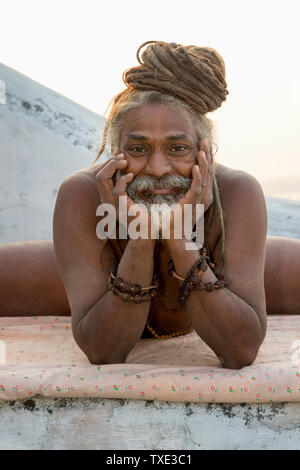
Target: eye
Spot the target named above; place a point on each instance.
(179, 149)
(137, 150)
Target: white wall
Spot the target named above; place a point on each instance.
(93, 423)
(44, 137)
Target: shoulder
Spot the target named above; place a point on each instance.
(75, 208)
(244, 212)
(244, 209)
(77, 185)
(78, 192)
(232, 179)
(75, 216)
(240, 192)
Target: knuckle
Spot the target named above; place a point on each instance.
(101, 165)
(117, 163)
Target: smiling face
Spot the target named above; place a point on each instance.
(161, 145)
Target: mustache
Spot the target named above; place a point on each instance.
(146, 183)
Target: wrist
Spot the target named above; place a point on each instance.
(142, 244)
(184, 260)
(182, 244)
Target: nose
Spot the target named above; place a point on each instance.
(157, 164)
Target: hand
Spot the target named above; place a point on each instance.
(110, 193)
(105, 179)
(201, 190)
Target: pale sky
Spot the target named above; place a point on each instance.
(81, 48)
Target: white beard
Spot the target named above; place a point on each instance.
(165, 201)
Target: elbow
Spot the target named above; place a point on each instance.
(244, 355)
(237, 363)
(97, 359)
(243, 359)
(97, 356)
(97, 353)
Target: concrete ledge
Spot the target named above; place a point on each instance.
(92, 423)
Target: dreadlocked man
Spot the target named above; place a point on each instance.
(160, 143)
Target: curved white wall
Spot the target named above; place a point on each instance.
(44, 137)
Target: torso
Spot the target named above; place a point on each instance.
(166, 315)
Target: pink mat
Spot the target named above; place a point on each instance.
(42, 358)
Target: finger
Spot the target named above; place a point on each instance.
(197, 183)
(106, 173)
(120, 187)
(100, 165)
(194, 195)
(203, 164)
(206, 158)
(205, 146)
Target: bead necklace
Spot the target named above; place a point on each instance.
(171, 335)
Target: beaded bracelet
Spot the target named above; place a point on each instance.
(193, 278)
(195, 282)
(203, 266)
(131, 292)
(203, 261)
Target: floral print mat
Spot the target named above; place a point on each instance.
(38, 356)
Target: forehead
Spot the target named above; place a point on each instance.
(158, 118)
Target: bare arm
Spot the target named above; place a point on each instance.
(104, 326)
(232, 321)
(112, 327)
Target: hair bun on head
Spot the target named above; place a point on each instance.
(196, 75)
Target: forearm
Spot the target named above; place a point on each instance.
(112, 327)
(227, 324)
